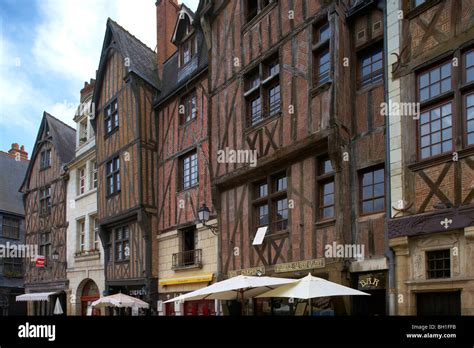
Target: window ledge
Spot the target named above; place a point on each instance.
(187, 189)
(370, 87)
(437, 281)
(415, 11)
(325, 223)
(184, 268)
(247, 26)
(264, 121)
(113, 131)
(85, 194)
(87, 256)
(186, 124)
(113, 194)
(440, 159)
(322, 87)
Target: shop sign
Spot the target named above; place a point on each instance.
(299, 265)
(254, 271)
(371, 281)
(137, 292)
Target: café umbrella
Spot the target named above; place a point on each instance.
(312, 287)
(239, 287)
(120, 300)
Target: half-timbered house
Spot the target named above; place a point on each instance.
(297, 86)
(431, 228)
(187, 249)
(44, 194)
(126, 152)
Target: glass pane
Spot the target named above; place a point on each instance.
(424, 93)
(435, 137)
(367, 207)
(435, 114)
(446, 109)
(436, 125)
(470, 59)
(435, 150)
(367, 179)
(435, 89)
(470, 100)
(379, 204)
(425, 129)
(425, 153)
(328, 212)
(470, 75)
(424, 80)
(447, 133)
(470, 139)
(379, 190)
(329, 188)
(379, 176)
(447, 146)
(328, 200)
(424, 117)
(445, 85)
(446, 70)
(446, 122)
(367, 192)
(470, 126)
(435, 75)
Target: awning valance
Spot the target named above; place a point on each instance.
(35, 296)
(198, 278)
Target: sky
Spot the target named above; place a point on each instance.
(49, 48)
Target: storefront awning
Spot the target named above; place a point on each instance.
(35, 296)
(198, 278)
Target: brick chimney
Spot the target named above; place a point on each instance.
(88, 89)
(167, 12)
(18, 152)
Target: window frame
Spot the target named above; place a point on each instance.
(271, 199)
(45, 196)
(121, 242)
(181, 172)
(373, 198)
(363, 81)
(12, 265)
(94, 175)
(430, 270)
(46, 245)
(186, 102)
(11, 228)
(82, 180)
(323, 178)
(81, 235)
(191, 43)
(113, 117)
(45, 159)
(319, 49)
(258, 83)
(262, 5)
(114, 174)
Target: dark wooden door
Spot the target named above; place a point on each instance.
(438, 303)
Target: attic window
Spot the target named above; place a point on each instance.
(255, 7)
(187, 51)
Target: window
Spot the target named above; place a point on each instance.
(45, 200)
(370, 66)
(438, 264)
(271, 203)
(187, 51)
(470, 118)
(254, 7)
(435, 82)
(45, 161)
(111, 117)
(12, 267)
(83, 131)
(81, 233)
(94, 226)
(188, 170)
(81, 176)
(321, 53)
(113, 176)
(188, 108)
(10, 228)
(263, 98)
(93, 175)
(326, 189)
(418, 2)
(436, 130)
(372, 191)
(122, 244)
(469, 66)
(45, 245)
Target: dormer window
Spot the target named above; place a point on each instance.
(187, 51)
(83, 131)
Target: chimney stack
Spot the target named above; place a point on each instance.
(167, 12)
(88, 89)
(18, 152)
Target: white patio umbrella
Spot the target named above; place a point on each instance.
(233, 288)
(57, 308)
(120, 300)
(311, 287)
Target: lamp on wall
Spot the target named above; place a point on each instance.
(55, 255)
(203, 215)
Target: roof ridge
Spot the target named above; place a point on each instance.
(133, 36)
(57, 119)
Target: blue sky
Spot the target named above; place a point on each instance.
(48, 48)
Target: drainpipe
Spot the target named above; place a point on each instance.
(391, 305)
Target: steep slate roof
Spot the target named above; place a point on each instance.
(171, 70)
(63, 138)
(142, 59)
(12, 173)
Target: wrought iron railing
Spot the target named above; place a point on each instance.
(187, 259)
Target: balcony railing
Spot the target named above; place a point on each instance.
(185, 259)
